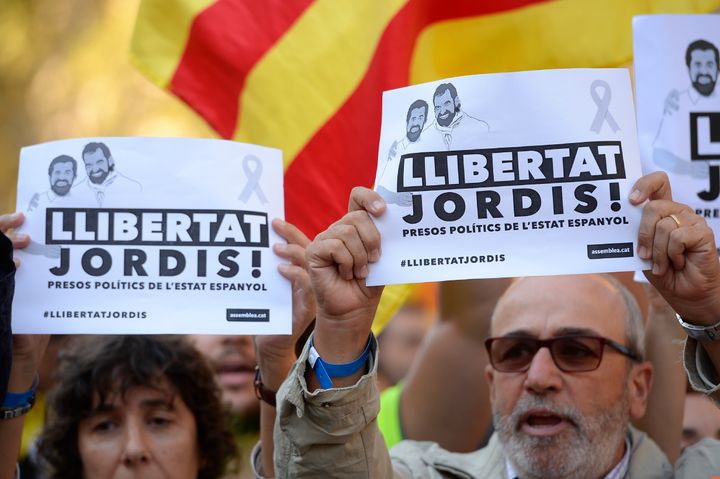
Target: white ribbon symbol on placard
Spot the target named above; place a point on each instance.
(603, 103)
(253, 171)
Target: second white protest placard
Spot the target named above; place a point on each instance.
(506, 175)
(150, 235)
(676, 73)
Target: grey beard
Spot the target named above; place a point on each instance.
(585, 450)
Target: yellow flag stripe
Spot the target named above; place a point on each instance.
(393, 297)
(311, 71)
(558, 34)
(160, 35)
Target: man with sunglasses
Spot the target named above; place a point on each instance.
(566, 370)
(566, 376)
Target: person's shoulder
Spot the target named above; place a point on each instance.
(685, 95)
(478, 123)
(713, 100)
(419, 456)
(431, 139)
(702, 459)
(127, 182)
(647, 460)
(81, 191)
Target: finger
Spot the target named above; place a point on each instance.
(687, 216)
(655, 186)
(303, 298)
(653, 212)
(660, 218)
(291, 252)
(697, 238)
(290, 233)
(297, 276)
(369, 234)
(350, 236)
(660, 259)
(676, 248)
(12, 220)
(668, 228)
(366, 199)
(291, 271)
(330, 251)
(19, 241)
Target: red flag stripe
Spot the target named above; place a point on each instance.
(318, 179)
(226, 40)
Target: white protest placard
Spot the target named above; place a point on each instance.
(678, 106)
(508, 174)
(150, 235)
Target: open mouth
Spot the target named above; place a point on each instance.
(541, 422)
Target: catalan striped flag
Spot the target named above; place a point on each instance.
(306, 76)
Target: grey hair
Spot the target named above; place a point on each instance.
(634, 323)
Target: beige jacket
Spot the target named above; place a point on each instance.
(334, 433)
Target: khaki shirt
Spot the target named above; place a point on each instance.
(334, 433)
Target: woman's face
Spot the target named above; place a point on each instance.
(149, 433)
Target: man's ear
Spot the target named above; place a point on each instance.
(457, 101)
(111, 161)
(639, 385)
(490, 377)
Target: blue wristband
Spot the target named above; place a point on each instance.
(13, 400)
(324, 370)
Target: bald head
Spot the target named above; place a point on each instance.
(597, 304)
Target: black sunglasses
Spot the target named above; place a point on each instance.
(571, 354)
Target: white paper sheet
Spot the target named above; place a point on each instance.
(154, 235)
(508, 174)
(678, 106)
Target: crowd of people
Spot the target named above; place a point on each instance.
(581, 376)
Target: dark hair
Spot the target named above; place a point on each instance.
(701, 45)
(99, 367)
(445, 87)
(415, 105)
(63, 159)
(92, 147)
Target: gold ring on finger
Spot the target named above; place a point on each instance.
(675, 219)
